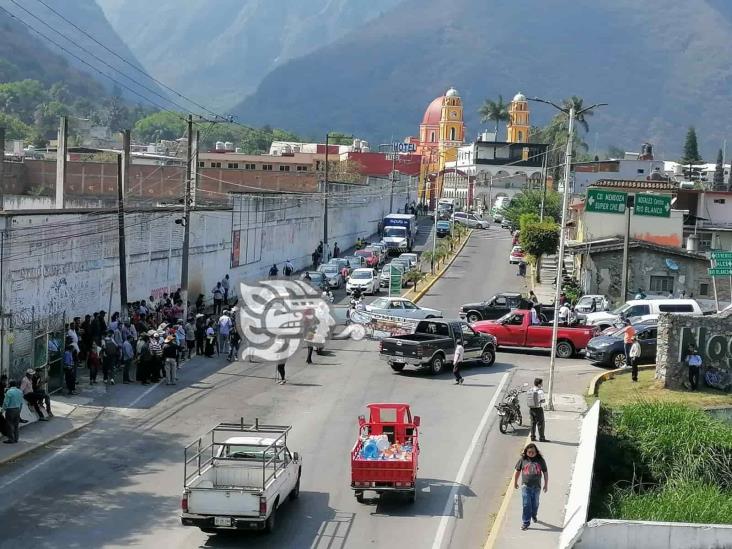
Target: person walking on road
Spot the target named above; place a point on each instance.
(530, 467)
(218, 298)
(336, 250)
(170, 352)
(457, 360)
(69, 370)
(281, 372)
(628, 338)
(288, 269)
(635, 353)
(190, 331)
(536, 401)
(226, 285)
(110, 354)
(273, 271)
(225, 325)
(12, 403)
(694, 362)
(128, 354)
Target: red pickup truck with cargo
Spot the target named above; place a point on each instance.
(385, 456)
(515, 330)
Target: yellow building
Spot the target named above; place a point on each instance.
(518, 120)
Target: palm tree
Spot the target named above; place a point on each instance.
(576, 102)
(494, 110)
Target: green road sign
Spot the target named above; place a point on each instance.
(720, 271)
(722, 255)
(602, 201)
(395, 281)
(723, 263)
(653, 205)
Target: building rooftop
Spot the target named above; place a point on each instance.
(433, 114)
(615, 244)
(637, 184)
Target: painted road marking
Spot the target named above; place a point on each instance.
(447, 516)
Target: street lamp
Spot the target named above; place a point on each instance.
(572, 114)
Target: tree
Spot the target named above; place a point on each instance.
(14, 128)
(529, 202)
(719, 172)
(160, 125)
(497, 111)
(691, 148)
(580, 117)
(614, 152)
(538, 239)
(45, 120)
(339, 138)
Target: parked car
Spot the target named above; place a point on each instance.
(493, 308)
(507, 224)
(370, 256)
(443, 228)
(412, 258)
(470, 220)
(516, 255)
(333, 275)
(432, 346)
(365, 279)
(643, 309)
(515, 330)
(385, 274)
(398, 306)
(608, 349)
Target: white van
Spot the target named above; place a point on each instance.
(643, 309)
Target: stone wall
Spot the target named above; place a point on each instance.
(712, 334)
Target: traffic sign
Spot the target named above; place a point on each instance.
(722, 255)
(602, 201)
(720, 271)
(395, 281)
(653, 205)
(723, 263)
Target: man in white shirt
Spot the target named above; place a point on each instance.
(564, 314)
(74, 337)
(225, 285)
(457, 360)
(535, 316)
(536, 400)
(225, 325)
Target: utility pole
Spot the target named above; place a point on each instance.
(629, 202)
(543, 192)
(63, 134)
(123, 171)
(187, 220)
(393, 175)
(325, 203)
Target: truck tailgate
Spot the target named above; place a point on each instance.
(401, 348)
(218, 501)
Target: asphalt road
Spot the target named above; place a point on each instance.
(118, 483)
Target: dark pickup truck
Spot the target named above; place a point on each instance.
(500, 304)
(432, 346)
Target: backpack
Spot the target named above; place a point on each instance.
(288, 270)
(110, 349)
(532, 398)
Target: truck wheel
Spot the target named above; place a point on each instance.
(437, 365)
(397, 366)
(474, 317)
(270, 523)
(359, 496)
(295, 493)
(488, 357)
(564, 349)
(618, 360)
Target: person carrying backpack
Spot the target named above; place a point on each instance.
(110, 356)
(288, 269)
(535, 400)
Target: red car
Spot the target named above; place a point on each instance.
(515, 330)
(371, 257)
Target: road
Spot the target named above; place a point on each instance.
(118, 483)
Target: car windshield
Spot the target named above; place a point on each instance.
(395, 231)
(361, 275)
(239, 451)
(330, 269)
(620, 310)
(364, 253)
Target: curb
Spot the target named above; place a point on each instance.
(38, 445)
(420, 294)
(495, 530)
(599, 378)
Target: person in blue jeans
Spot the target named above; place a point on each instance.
(530, 467)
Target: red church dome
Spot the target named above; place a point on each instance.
(433, 113)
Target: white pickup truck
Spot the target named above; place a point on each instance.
(237, 475)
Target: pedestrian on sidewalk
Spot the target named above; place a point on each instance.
(531, 466)
(234, 342)
(288, 269)
(70, 370)
(635, 353)
(336, 250)
(628, 338)
(12, 403)
(273, 271)
(92, 361)
(142, 373)
(225, 325)
(200, 333)
(210, 345)
(457, 360)
(694, 362)
(110, 354)
(226, 285)
(170, 353)
(218, 298)
(30, 396)
(536, 401)
(190, 336)
(128, 354)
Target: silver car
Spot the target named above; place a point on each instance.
(332, 275)
(398, 306)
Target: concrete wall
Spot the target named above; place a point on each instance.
(59, 265)
(713, 337)
(622, 534)
(578, 501)
(665, 231)
(586, 174)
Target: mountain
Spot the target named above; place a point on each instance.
(219, 52)
(657, 64)
(32, 56)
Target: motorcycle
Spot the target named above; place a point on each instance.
(510, 410)
(327, 295)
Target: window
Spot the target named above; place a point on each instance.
(720, 200)
(676, 308)
(201, 164)
(284, 168)
(499, 302)
(250, 166)
(467, 330)
(432, 137)
(516, 320)
(703, 288)
(452, 134)
(233, 165)
(520, 136)
(267, 167)
(215, 164)
(662, 284)
(409, 305)
(638, 310)
(395, 305)
(302, 168)
(640, 171)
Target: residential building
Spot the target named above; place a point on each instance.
(587, 174)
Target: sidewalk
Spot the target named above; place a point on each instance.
(563, 430)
